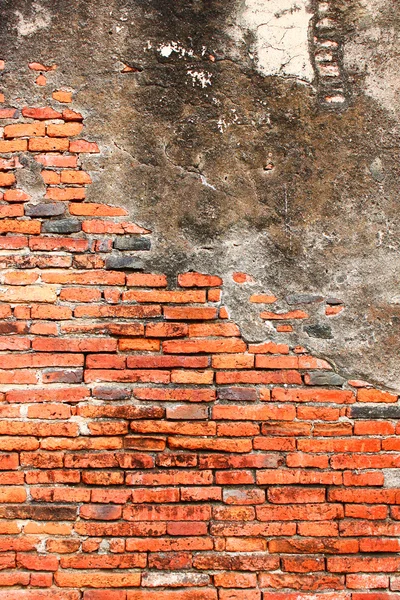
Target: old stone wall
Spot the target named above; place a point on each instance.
(199, 301)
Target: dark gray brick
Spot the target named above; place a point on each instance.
(373, 411)
(323, 378)
(319, 331)
(62, 226)
(111, 393)
(132, 243)
(45, 209)
(238, 394)
(124, 263)
(303, 298)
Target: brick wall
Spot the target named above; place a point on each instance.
(148, 452)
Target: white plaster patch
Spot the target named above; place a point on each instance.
(281, 33)
(202, 78)
(40, 20)
(166, 50)
(205, 182)
(391, 478)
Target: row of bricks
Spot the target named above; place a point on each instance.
(42, 129)
(241, 581)
(12, 409)
(241, 496)
(173, 579)
(165, 478)
(354, 499)
(245, 499)
(77, 394)
(95, 372)
(41, 114)
(134, 279)
(196, 536)
(191, 594)
(51, 159)
(48, 144)
(8, 179)
(152, 375)
(308, 449)
(33, 226)
(81, 245)
(251, 561)
(65, 436)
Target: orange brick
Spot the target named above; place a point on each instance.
(195, 346)
(62, 96)
(63, 194)
(7, 179)
(44, 144)
(372, 395)
(41, 113)
(83, 146)
(198, 280)
(79, 178)
(64, 130)
(25, 130)
(13, 145)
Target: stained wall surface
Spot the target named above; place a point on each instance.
(199, 301)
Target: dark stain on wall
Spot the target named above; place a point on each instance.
(248, 173)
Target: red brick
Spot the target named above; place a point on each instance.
(296, 495)
(104, 595)
(24, 130)
(213, 330)
(64, 130)
(313, 395)
(16, 196)
(372, 395)
(178, 395)
(277, 362)
(146, 280)
(65, 194)
(92, 209)
(194, 279)
(269, 348)
(192, 594)
(68, 394)
(373, 428)
(189, 314)
(37, 563)
(57, 160)
(363, 564)
(58, 243)
(258, 412)
(233, 361)
(13, 242)
(74, 345)
(32, 226)
(356, 582)
(13, 145)
(62, 96)
(167, 513)
(170, 477)
(289, 377)
(41, 113)
(239, 595)
(7, 179)
(83, 146)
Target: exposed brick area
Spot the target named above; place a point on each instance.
(148, 452)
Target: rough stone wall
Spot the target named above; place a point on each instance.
(201, 403)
